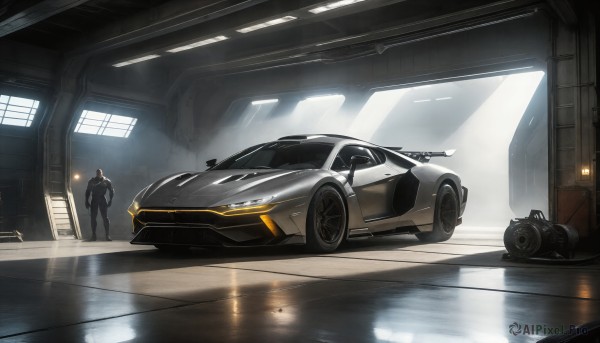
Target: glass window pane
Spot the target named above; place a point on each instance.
(121, 119)
(15, 122)
(17, 111)
(87, 121)
(114, 132)
(105, 124)
(88, 129)
(95, 115)
(21, 101)
(17, 115)
(18, 108)
(117, 126)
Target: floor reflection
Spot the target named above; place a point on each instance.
(114, 334)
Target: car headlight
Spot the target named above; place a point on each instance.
(133, 208)
(135, 204)
(251, 203)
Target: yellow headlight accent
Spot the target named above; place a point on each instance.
(246, 210)
(222, 211)
(270, 224)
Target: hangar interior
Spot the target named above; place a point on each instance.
(143, 89)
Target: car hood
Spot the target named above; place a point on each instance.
(216, 187)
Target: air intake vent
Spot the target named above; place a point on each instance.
(183, 176)
(230, 178)
(239, 177)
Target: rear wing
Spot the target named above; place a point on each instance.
(423, 156)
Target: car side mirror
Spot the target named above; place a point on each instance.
(355, 161)
(211, 163)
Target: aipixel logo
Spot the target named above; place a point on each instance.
(516, 329)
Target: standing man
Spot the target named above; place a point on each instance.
(98, 186)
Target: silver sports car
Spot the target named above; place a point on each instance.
(317, 190)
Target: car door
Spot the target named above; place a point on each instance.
(373, 182)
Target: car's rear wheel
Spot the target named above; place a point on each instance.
(445, 216)
(172, 248)
(326, 220)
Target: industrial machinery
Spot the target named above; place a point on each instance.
(537, 237)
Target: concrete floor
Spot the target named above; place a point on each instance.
(391, 289)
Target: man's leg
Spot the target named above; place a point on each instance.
(93, 214)
(104, 214)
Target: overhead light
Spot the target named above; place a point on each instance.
(266, 101)
(422, 100)
(323, 97)
(444, 98)
(199, 43)
(333, 5)
(135, 60)
(266, 24)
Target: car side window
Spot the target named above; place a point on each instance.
(342, 160)
(380, 155)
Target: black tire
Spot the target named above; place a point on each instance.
(326, 221)
(445, 216)
(172, 248)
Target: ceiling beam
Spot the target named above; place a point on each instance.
(34, 13)
(565, 11)
(167, 18)
(228, 26)
(370, 43)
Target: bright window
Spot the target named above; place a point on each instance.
(17, 111)
(257, 111)
(99, 123)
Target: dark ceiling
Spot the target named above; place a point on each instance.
(112, 31)
(63, 29)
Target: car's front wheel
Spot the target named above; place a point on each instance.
(445, 216)
(326, 220)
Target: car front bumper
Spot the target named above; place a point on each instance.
(207, 227)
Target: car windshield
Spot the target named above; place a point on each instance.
(279, 155)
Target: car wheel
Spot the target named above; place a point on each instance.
(172, 248)
(326, 221)
(445, 216)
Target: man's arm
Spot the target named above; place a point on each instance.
(111, 192)
(87, 194)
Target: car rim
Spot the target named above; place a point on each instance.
(448, 213)
(328, 217)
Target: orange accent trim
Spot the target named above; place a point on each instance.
(270, 224)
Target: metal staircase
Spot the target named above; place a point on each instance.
(59, 202)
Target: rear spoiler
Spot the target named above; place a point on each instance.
(423, 156)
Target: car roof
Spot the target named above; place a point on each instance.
(324, 138)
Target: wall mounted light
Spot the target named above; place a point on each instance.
(585, 171)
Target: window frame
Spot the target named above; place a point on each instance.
(30, 114)
(105, 124)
